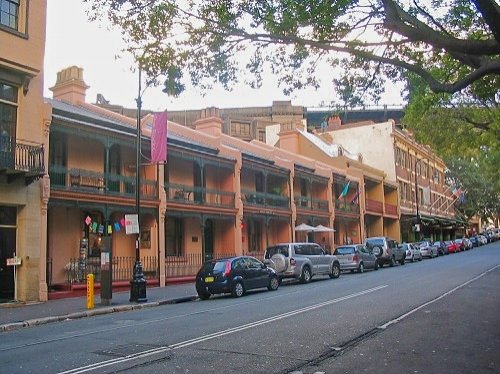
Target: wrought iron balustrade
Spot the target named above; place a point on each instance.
(199, 195)
(81, 180)
(22, 156)
(265, 199)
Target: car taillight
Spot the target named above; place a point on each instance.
(293, 262)
(227, 270)
(355, 258)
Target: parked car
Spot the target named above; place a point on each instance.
(467, 243)
(441, 248)
(427, 249)
(234, 275)
(461, 244)
(482, 239)
(474, 241)
(412, 253)
(356, 257)
(386, 250)
(452, 246)
(301, 261)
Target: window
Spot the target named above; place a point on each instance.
(9, 13)
(240, 129)
(8, 120)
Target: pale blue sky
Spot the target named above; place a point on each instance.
(73, 40)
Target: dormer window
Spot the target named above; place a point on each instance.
(9, 13)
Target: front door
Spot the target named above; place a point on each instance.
(7, 249)
(209, 239)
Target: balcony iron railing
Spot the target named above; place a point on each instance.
(347, 207)
(199, 195)
(80, 180)
(311, 203)
(21, 156)
(264, 199)
(391, 209)
(374, 206)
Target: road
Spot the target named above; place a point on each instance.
(439, 315)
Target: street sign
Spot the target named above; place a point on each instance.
(131, 224)
(14, 261)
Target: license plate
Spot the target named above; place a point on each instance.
(209, 279)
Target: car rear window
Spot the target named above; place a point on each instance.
(277, 249)
(375, 242)
(344, 250)
(217, 266)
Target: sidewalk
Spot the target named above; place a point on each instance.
(18, 315)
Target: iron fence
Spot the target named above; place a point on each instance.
(77, 269)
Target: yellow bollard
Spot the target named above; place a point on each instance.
(90, 291)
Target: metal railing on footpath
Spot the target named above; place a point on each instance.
(186, 265)
(122, 268)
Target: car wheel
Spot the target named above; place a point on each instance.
(237, 290)
(393, 262)
(412, 258)
(274, 283)
(402, 262)
(380, 264)
(361, 268)
(305, 277)
(335, 271)
(375, 267)
(203, 295)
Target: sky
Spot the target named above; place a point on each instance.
(73, 40)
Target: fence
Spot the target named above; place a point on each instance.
(122, 268)
(189, 264)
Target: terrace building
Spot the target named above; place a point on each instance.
(24, 129)
(426, 201)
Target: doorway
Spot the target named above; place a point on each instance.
(7, 250)
(209, 239)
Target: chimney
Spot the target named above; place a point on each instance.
(70, 86)
(334, 123)
(209, 122)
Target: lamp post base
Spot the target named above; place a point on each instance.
(138, 285)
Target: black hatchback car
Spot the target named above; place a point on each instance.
(234, 275)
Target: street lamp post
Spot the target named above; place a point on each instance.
(138, 282)
(417, 224)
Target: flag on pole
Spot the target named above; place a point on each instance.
(355, 199)
(345, 190)
(159, 138)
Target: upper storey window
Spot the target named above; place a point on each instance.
(9, 13)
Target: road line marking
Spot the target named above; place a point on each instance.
(200, 339)
(396, 320)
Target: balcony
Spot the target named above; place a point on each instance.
(21, 160)
(87, 181)
(181, 193)
(391, 209)
(263, 199)
(346, 207)
(374, 206)
(304, 202)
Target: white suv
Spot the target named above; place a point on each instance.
(301, 261)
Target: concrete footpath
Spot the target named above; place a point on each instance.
(16, 315)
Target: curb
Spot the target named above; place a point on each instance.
(90, 313)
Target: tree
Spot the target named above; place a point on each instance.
(466, 135)
(450, 45)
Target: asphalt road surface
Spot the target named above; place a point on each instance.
(435, 316)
